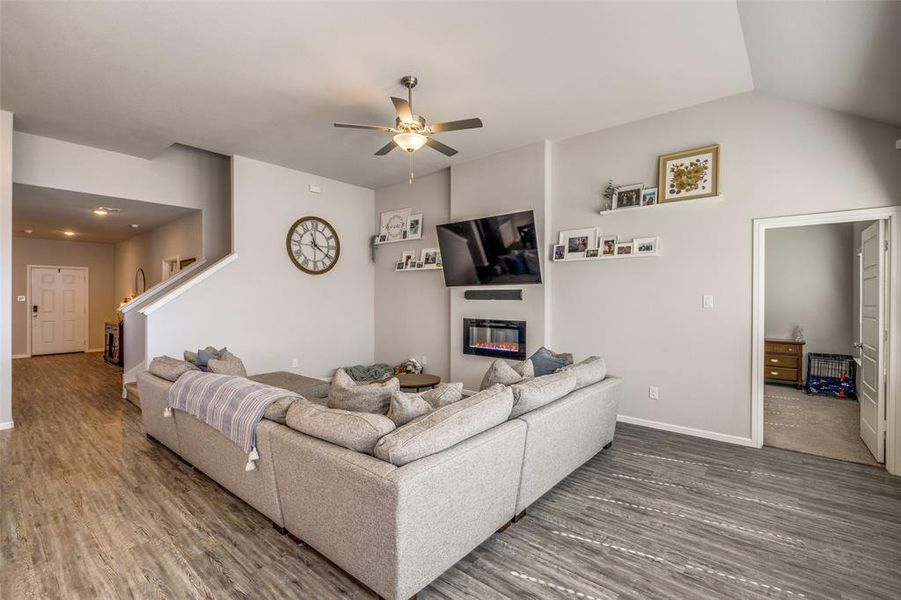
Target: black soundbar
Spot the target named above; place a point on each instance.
(493, 294)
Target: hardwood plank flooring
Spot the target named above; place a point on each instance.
(89, 508)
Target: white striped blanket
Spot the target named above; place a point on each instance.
(232, 405)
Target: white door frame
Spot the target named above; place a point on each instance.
(893, 313)
(87, 306)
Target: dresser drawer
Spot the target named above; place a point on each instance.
(780, 373)
(780, 360)
(779, 348)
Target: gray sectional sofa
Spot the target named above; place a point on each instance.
(395, 528)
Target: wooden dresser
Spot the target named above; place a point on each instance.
(782, 361)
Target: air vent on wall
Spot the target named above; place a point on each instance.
(493, 294)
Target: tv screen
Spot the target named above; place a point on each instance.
(491, 251)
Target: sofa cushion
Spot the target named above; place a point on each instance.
(501, 371)
(169, 368)
(354, 430)
(546, 362)
(535, 393)
(374, 397)
(443, 394)
(308, 387)
(446, 426)
(591, 370)
(405, 407)
(227, 364)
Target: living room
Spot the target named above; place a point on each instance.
(317, 268)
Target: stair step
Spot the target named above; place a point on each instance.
(131, 394)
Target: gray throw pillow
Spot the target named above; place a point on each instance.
(347, 394)
(353, 430)
(278, 410)
(501, 372)
(405, 407)
(169, 368)
(228, 364)
(589, 371)
(446, 426)
(546, 362)
(443, 394)
(204, 356)
(537, 392)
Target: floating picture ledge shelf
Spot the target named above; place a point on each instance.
(600, 258)
(708, 200)
(416, 239)
(429, 268)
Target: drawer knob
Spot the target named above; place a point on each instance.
(774, 372)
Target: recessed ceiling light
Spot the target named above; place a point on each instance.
(101, 211)
(68, 233)
(134, 225)
(29, 231)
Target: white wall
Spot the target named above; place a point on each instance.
(412, 307)
(645, 316)
(809, 282)
(261, 306)
(6, 251)
(180, 176)
(507, 182)
(98, 258)
(182, 238)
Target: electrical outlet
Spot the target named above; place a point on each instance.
(295, 363)
(707, 302)
(653, 392)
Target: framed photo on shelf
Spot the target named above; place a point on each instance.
(646, 245)
(399, 266)
(577, 241)
(591, 253)
(414, 227)
(648, 196)
(383, 237)
(607, 245)
(431, 257)
(690, 174)
(559, 252)
(419, 264)
(627, 196)
(408, 258)
(623, 248)
(393, 224)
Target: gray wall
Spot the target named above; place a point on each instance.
(412, 307)
(810, 282)
(645, 316)
(98, 258)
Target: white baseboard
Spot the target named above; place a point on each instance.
(14, 356)
(701, 433)
(7, 425)
(94, 350)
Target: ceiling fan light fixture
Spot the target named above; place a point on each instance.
(410, 141)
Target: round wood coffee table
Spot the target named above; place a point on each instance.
(418, 381)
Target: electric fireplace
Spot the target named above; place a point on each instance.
(490, 337)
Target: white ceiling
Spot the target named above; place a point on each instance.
(48, 212)
(267, 81)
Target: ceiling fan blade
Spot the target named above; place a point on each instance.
(386, 148)
(455, 125)
(442, 148)
(371, 127)
(403, 109)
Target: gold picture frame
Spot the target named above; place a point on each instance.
(692, 180)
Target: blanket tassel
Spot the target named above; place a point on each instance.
(167, 412)
(251, 458)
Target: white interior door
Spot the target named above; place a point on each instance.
(872, 331)
(58, 310)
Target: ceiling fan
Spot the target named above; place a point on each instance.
(411, 132)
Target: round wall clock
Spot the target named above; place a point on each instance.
(313, 245)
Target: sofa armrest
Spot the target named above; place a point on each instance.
(153, 391)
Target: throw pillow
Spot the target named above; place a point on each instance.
(406, 407)
(591, 370)
(537, 392)
(501, 372)
(278, 410)
(227, 364)
(354, 430)
(168, 368)
(201, 358)
(347, 394)
(546, 362)
(443, 394)
(446, 426)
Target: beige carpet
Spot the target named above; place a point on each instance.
(813, 424)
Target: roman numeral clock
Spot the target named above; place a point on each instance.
(313, 245)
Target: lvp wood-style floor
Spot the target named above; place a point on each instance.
(89, 508)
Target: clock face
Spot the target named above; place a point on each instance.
(313, 245)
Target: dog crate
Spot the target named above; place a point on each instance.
(831, 375)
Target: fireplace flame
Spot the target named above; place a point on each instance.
(505, 346)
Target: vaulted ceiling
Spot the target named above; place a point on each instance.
(267, 81)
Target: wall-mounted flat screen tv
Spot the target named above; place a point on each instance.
(491, 251)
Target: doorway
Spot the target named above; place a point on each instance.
(831, 389)
(58, 309)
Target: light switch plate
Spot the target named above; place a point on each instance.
(315, 189)
(708, 301)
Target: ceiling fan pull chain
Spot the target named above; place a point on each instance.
(410, 180)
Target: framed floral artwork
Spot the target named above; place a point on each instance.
(689, 174)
